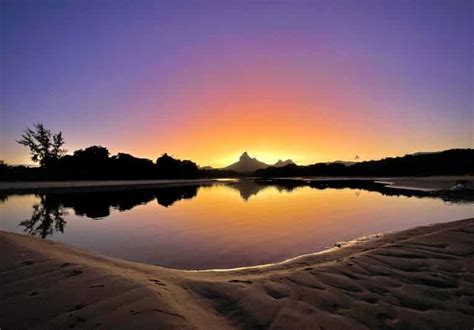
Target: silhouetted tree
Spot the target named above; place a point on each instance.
(125, 166)
(43, 144)
(92, 154)
(168, 167)
(166, 163)
(91, 163)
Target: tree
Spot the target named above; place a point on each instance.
(168, 167)
(92, 154)
(44, 145)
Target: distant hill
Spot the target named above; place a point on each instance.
(247, 164)
(448, 162)
(343, 162)
(425, 153)
(283, 163)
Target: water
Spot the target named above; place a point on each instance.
(221, 225)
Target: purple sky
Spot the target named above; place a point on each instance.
(186, 77)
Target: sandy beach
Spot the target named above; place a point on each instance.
(237, 165)
(414, 279)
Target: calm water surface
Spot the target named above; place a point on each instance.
(220, 225)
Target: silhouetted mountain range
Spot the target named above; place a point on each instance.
(94, 163)
(247, 164)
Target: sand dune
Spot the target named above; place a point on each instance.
(416, 279)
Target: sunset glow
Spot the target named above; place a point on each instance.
(312, 82)
(250, 164)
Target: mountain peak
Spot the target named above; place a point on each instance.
(245, 155)
(246, 164)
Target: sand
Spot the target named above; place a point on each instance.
(416, 279)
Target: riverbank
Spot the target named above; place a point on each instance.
(26, 187)
(433, 183)
(430, 183)
(418, 278)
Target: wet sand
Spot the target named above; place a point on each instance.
(416, 279)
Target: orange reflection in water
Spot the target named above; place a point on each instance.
(224, 227)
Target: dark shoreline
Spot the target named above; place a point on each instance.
(448, 190)
(43, 187)
(376, 184)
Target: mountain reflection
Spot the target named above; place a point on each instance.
(248, 188)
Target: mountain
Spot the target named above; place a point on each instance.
(343, 162)
(246, 164)
(283, 163)
(425, 153)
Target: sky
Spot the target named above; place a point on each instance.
(203, 80)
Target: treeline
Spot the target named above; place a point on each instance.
(449, 162)
(95, 163)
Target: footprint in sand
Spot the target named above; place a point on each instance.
(240, 281)
(74, 272)
(158, 282)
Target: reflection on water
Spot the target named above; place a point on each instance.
(46, 219)
(223, 225)
(97, 205)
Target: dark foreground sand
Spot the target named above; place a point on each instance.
(417, 279)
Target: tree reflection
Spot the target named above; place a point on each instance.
(46, 219)
(48, 215)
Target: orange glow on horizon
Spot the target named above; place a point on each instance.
(270, 110)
